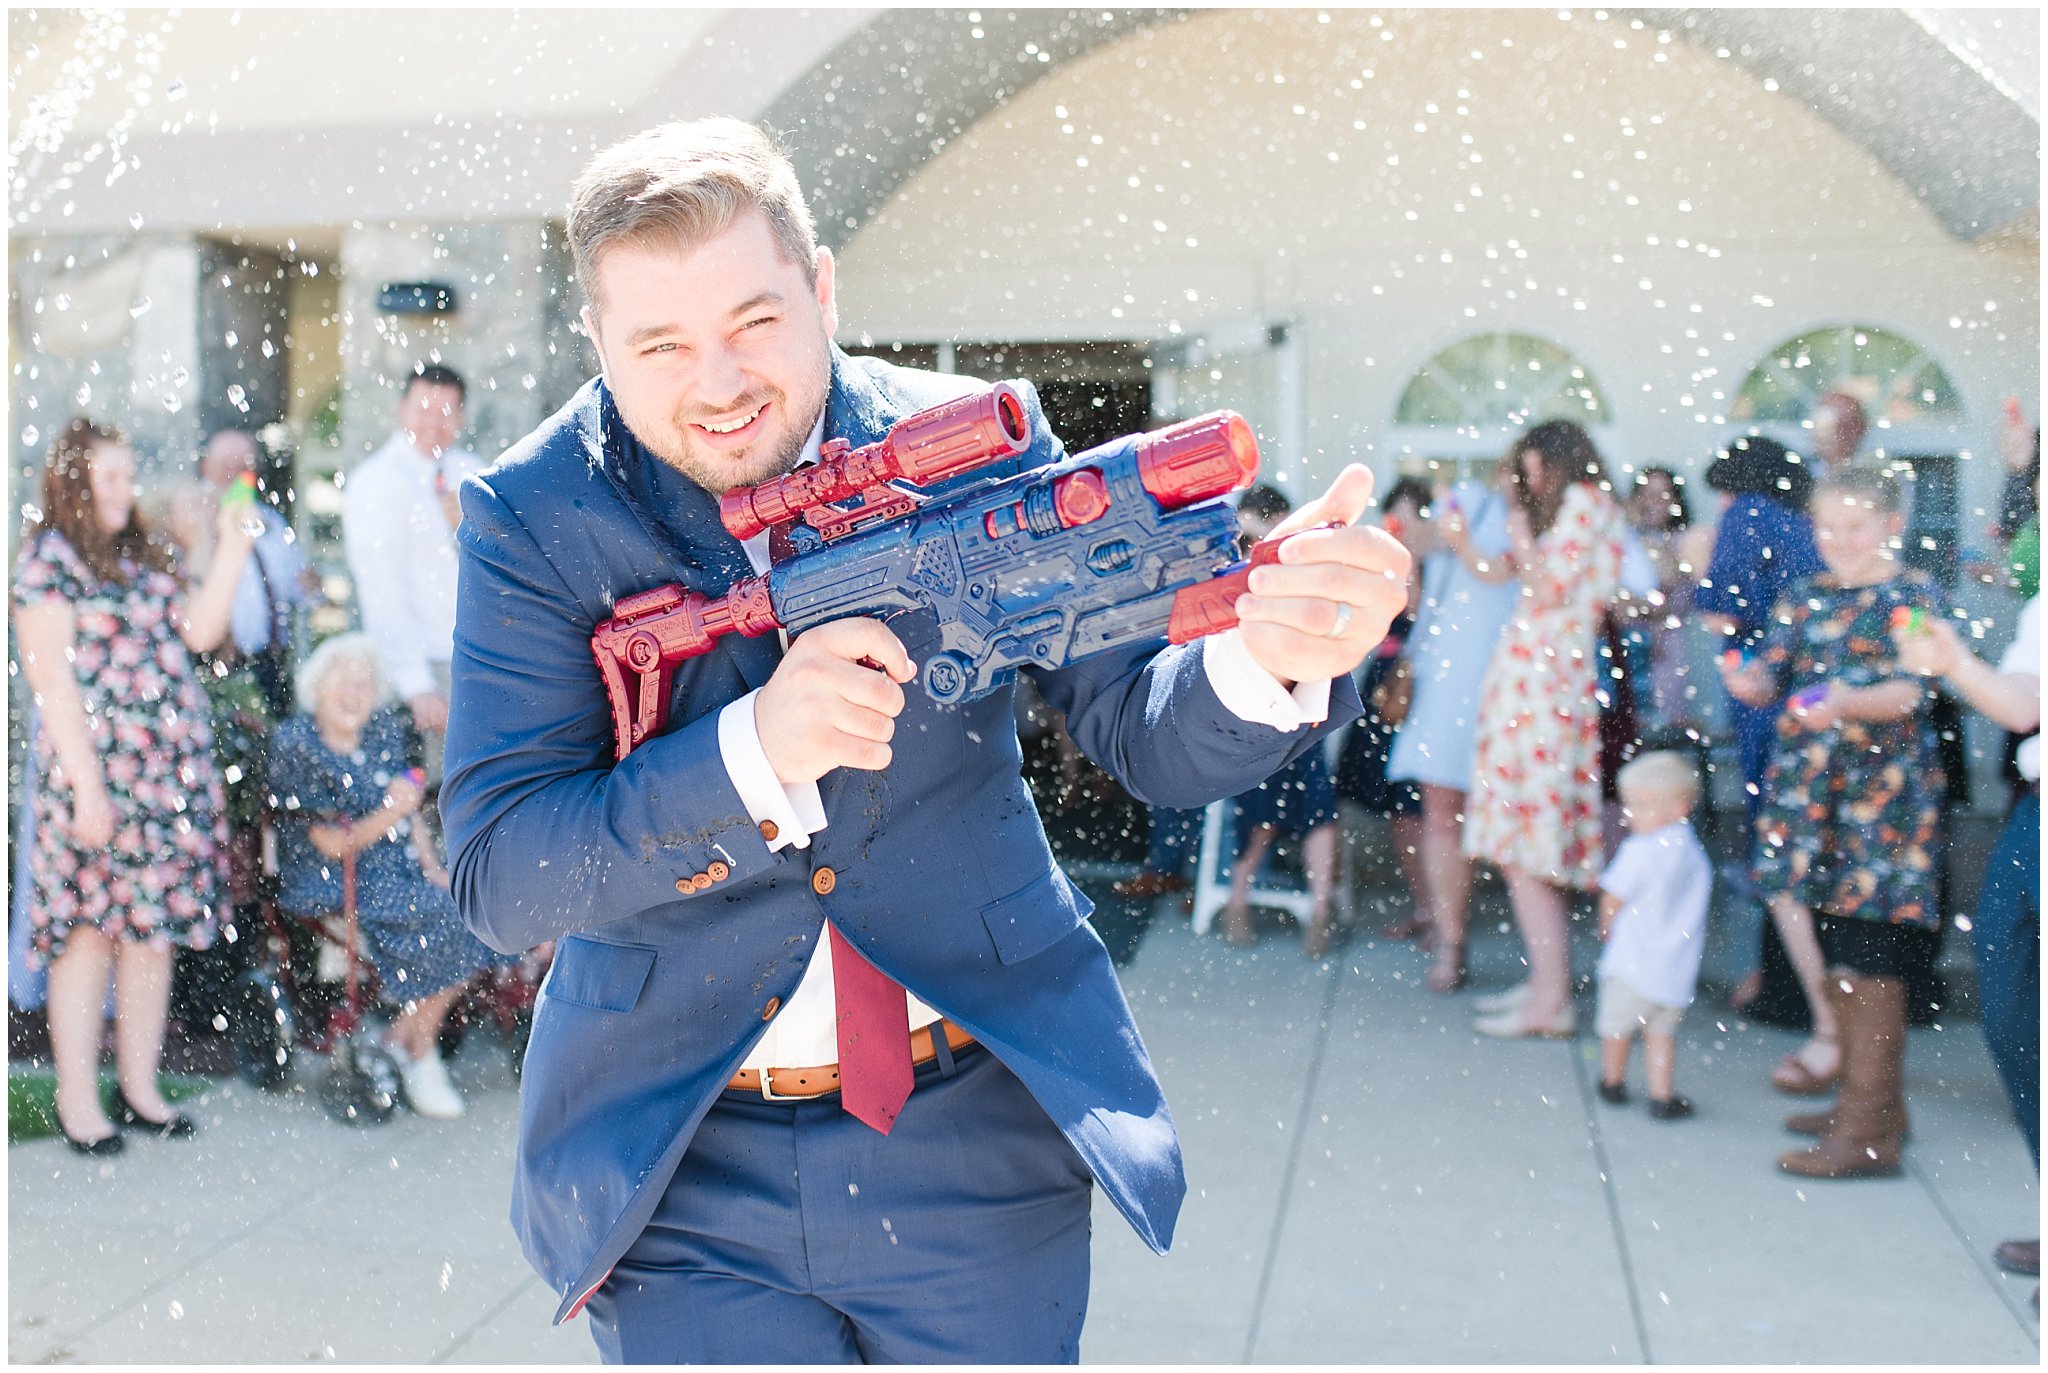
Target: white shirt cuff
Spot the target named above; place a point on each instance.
(798, 811)
(1254, 694)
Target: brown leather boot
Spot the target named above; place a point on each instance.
(1820, 1122)
(1869, 1115)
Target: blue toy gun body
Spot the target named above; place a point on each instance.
(1120, 545)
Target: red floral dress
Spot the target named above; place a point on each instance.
(160, 879)
(1535, 801)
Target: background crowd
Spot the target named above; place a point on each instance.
(1543, 711)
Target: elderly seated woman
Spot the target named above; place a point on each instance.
(343, 785)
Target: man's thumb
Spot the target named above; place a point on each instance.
(1343, 501)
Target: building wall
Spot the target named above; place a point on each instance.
(1392, 183)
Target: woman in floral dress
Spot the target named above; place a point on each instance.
(128, 830)
(1535, 804)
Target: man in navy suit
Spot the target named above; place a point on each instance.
(807, 842)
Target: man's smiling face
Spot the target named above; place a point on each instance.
(718, 356)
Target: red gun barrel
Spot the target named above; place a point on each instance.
(926, 447)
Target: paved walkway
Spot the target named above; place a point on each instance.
(1369, 1182)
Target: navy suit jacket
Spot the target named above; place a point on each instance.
(945, 881)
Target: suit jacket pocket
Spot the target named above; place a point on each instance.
(1032, 920)
(604, 977)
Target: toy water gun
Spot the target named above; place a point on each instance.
(240, 499)
(1809, 698)
(1119, 545)
(1909, 620)
(416, 776)
(241, 493)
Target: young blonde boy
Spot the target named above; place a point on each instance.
(1653, 920)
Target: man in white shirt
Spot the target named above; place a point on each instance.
(398, 527)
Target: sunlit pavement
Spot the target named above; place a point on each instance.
(1369, 1182)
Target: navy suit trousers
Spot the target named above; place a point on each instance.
(792, 1233)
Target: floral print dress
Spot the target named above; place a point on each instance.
(160, 879)
(1851, 818)
(1535, 801)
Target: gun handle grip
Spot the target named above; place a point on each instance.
(1211, 607)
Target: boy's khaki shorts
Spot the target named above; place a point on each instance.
(1623, 1010)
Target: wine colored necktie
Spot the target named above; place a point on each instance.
(874, 1037)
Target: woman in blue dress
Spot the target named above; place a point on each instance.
(1468, 594)
(344, 785)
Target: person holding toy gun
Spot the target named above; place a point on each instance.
(2006, 933)
(829, 1058)
(1849, 831)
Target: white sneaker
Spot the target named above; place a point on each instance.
(428, 1089)
(1501, 1001)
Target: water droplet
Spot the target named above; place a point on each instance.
(177, 1310)
(139, 308)
(232, 338)
(83, 395)
(135, 220)
(175, 91)
(29, 435)
(172, 405)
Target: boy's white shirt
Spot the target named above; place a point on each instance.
(1665, 881)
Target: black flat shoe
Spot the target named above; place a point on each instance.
(179, 1126)
(1678, 1108)
(104, 1147)
(1614, 1093)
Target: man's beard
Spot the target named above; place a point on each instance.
(769, 456)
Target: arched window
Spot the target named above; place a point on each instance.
(1461, 408)
(1896, 380)
(1916, 421)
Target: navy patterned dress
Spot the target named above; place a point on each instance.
(417, 940)
(160, 880)
(1850, 823)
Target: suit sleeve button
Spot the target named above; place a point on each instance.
(769, 829)
(823, 881)
(717, 871)
(768, 1011)
(684, 886)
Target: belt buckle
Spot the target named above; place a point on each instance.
(768, 1088)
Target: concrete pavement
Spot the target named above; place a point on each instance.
(1370, 1182)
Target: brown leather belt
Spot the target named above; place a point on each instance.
(809, 1082)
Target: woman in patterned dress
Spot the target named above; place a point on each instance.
(1535, 806)
(130, 840)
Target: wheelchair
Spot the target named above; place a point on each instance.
(311, 990)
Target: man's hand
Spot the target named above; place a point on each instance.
(822, 710)
(429, 711)
(1316, 613)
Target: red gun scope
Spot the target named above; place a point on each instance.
(1199, 458)
(928, 447)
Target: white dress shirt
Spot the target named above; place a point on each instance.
(803, 1033)
(401, 553)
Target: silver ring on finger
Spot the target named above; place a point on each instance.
(1336, 631)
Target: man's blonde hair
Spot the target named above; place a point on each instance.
(1661, 772)
(682, 184)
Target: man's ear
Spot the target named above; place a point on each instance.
(590, 328)
(828, 303)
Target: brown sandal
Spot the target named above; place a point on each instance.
(1794, 1077)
